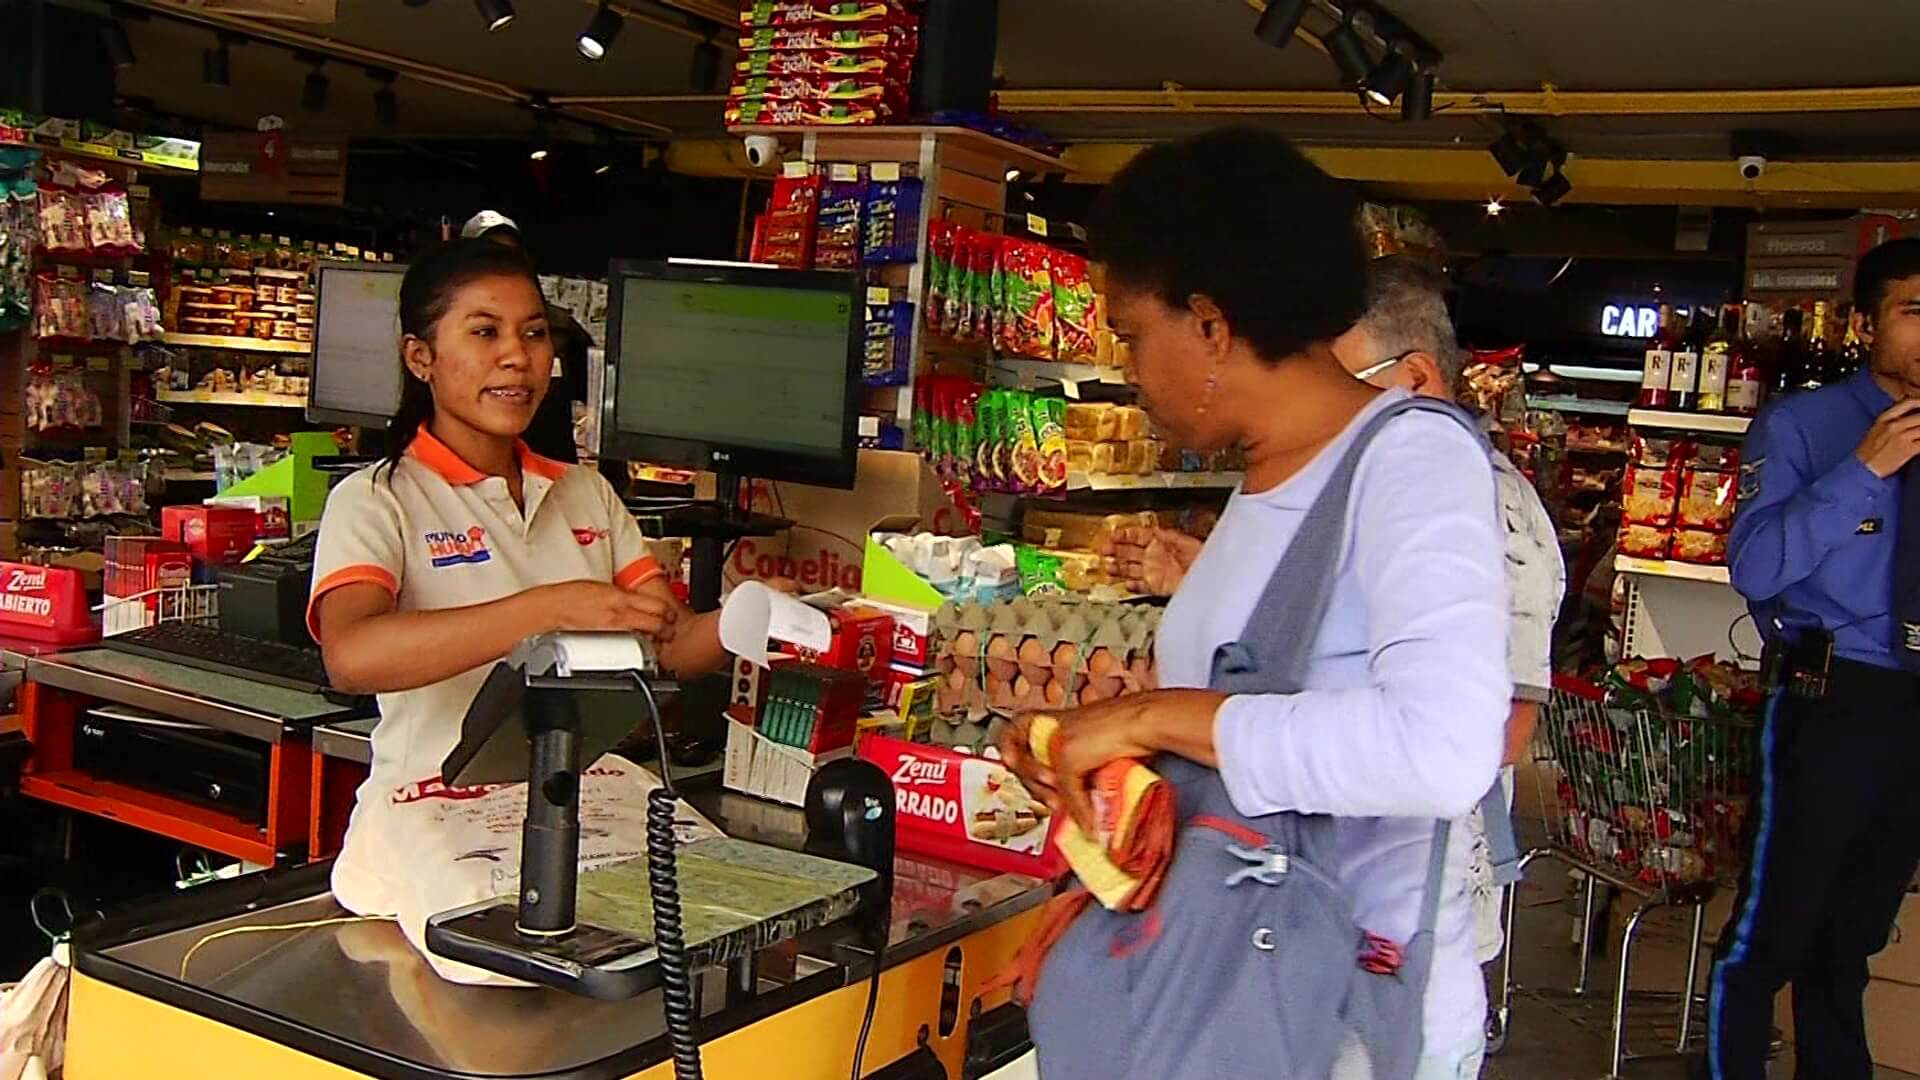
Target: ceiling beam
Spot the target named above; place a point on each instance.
(1547, 101)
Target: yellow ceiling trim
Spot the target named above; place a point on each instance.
(1471, 175)
(1548, 101)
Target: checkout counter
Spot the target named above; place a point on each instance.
(355, 999)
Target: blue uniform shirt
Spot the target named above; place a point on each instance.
(1815, 533)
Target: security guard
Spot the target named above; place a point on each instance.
(1836, 813)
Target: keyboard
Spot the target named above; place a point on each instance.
(209, 648)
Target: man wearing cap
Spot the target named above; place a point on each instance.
(551, 434)
(1826, 550)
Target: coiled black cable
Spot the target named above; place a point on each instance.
(669, 936)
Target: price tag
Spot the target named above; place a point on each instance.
(1036, 225)
(138, 191)
(226, 234)
(69, 273)
(63, 361)
(103, 275)
(129, 457)
(99, 363)
(135, 363)
(1071, 388)
(879, 294)
(843, 173)
(885, 171)
(139, 277)
(96, 453)
(1126, 482)
(869, 427)
(285, 242)
(794, 170)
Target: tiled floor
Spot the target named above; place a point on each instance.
(1567, 1040)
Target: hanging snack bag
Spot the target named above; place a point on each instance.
(790, 221)
(1073, 308)
(1708, 480)
(989, 422)
(984, 257)
(892, 222)
(939, 274)
(836, 244)
(1026, 316)
(1025, 444)
(1049, 422)
(966, 430)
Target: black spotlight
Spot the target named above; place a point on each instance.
(1349, 55)
(1553, 188)
(600, 32)
(1514, 149)
(216, 66)
(1280, 19)
(386, 102)
(1417, 103)
(313, 95)
(704, 71)
(495, 13)
(119, 46)
(1388, 79)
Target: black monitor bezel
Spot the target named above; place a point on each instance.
(321, 414)
(836, 472)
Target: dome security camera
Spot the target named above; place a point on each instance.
(762, 150)
(1752, 167)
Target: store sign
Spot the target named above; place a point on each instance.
(1629, 320)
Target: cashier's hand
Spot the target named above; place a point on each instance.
(1150, 561)
(599, 605)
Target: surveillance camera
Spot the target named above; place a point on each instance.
(1752, 166)
(762, 150)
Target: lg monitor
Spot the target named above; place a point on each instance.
(743, 371)
(356, 344)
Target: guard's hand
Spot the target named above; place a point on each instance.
(1150, 561)
(599, 605)
(1893, 440)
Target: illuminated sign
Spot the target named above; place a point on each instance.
(1629, 320)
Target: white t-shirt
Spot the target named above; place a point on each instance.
(438, 533)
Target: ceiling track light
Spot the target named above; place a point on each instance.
(496, 14)
(1389, 78)
(1279, 20)
(594, 41)
(119, 47)
(1553, 188)
(703, 72)
(386, 101)
(1349, 53)
(540, 147)
(1417, 103)
(313, 93)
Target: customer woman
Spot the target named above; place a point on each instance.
(1231, 264)
(436, 562)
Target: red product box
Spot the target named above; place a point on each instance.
(215, 534)
(912, 635)
(862, 642)
(966, 809)
(45, 603)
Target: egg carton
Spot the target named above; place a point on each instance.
(1031, 653)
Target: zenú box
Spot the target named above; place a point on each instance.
(967, 809)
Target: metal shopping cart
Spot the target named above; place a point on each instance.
(1652, 803)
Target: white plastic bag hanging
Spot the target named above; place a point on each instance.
(33, 1020)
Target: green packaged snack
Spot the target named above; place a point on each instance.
(990, 445)
(1023, 444)
(1050, 436)
(1040, 573)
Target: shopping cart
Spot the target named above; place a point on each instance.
(1652, 803)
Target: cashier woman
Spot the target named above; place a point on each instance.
(436, 562)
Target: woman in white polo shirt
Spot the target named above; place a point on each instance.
(436, 562)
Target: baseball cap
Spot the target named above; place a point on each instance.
(485, 222)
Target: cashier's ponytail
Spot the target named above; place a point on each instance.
(426, 293)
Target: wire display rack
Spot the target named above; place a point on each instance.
(1653, 803)
(187, 603)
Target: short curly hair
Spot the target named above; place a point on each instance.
(1240, 215)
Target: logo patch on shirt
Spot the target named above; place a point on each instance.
(458, 548)
(586, 537)
(1750, 477)
(1868, 527)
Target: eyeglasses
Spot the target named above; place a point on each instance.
(1369, 372)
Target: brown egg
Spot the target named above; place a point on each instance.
(1066, 659)
(1102, 662)
(1034, 654)
(1143, 673)
(999, 692)
(966, 644)
(1108, 686)
(1092, 694)
(1056, 693)
(1002, 659)
(1027, 694)
(957, 680)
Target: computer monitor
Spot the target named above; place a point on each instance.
(356, 344)
(741, 370)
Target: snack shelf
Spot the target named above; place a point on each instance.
(1079, 481)
(1712, 423)
(229, 397)
(1627, 564)
(1060, 372)
(1570, 404)
(238, 344)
